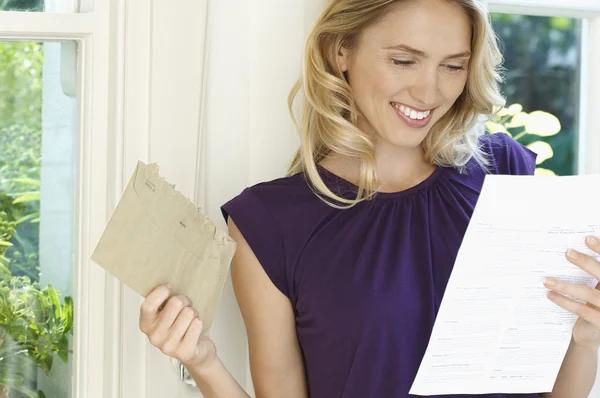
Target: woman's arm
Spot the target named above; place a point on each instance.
(577, 373)
(276, 360)
(215, 381)
(172, 325)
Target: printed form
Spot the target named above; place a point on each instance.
(496, 330)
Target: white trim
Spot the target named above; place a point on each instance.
(48, 26)
(132, 145)
(572, 9)
(590, 131)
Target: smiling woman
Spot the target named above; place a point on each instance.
(454, 79)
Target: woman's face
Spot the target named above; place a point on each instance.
(408, 69)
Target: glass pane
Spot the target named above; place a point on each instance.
(39, 5)
(37, 217)
(542, 59)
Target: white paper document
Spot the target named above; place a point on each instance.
(496, 330)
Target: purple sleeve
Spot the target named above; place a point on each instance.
(509, 156)
(261, 232)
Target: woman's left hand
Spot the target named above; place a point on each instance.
(586, 332)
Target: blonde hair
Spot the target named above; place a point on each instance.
(328, 122)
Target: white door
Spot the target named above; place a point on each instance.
(204, 94)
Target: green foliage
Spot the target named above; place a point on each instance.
(521, 125)
(22, 5)
(541, 62)
(16, 368)
(36, 320)
(21, 67)
(7, 230)
(21, 84)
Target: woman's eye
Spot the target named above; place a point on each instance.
(455, 68)
(400, 62)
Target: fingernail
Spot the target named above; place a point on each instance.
(169, 286)
(592, 241)
(549, 282)
(572, 254)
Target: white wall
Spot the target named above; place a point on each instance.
(216, 121)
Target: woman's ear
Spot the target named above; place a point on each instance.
(342, 59)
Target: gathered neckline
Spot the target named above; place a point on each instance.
(349, 190)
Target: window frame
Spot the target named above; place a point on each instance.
(97, 329)
(589, 11)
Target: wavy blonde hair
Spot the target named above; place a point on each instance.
(328, 122)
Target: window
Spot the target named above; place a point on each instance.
(53, 112)
(542, 62)
(38, 137)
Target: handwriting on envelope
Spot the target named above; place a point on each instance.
(156, 235)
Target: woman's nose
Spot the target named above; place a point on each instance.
(424, 88)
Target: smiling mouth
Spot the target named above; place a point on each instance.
(413, 117)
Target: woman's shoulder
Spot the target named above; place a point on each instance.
(279, 195)
(506, 155)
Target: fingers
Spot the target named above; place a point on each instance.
(581, 292)
(178, 330)
(166, 318)
(593, 243)
(582, 310)
(190, 346)
(151, 306)
(585, 262)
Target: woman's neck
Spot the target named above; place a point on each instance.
(397, 168)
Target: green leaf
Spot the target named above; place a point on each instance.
(63, 349)
(544, 172)
(4, 271)
(27, 181)
(68, 314)
(28, 197)
(518, 120)
(27, 217)
(561, 23)
(495, 128)
(55, 301)
(543, 124)
(543, 150)
(6, 244)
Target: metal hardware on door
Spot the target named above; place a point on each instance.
(184, 376)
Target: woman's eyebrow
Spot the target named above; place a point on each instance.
(423, 54)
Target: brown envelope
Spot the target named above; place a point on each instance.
(156, 235)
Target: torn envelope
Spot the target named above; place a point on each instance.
(156, 235)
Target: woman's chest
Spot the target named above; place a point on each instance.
(376, 268)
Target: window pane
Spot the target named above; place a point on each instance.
(37, 216)
(542, 58)
(39, 5)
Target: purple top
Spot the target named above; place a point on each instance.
(366, 283)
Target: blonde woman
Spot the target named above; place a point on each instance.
(342, 265)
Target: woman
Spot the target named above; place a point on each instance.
(341, 266)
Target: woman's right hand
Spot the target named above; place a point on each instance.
(172, 325)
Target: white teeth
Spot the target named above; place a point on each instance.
(412, 113)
